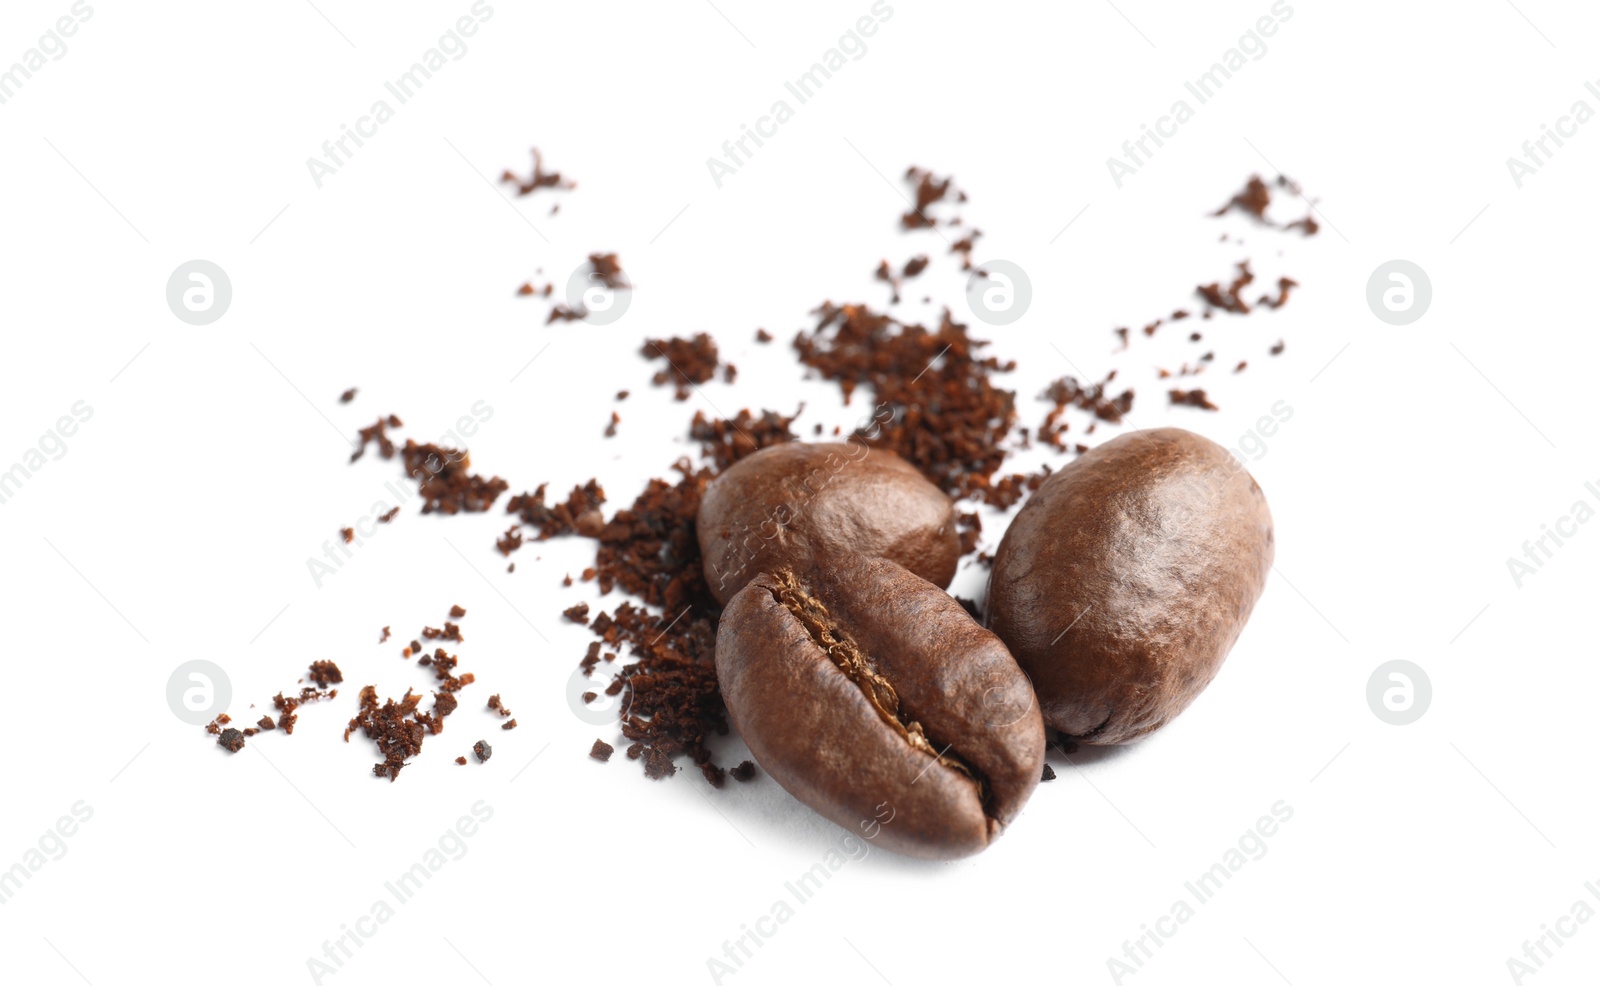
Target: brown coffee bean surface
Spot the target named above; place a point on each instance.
(799, 505)
(1123, 583)
(872, 696)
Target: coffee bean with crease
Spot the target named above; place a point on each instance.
(865, 690)
(1125, 580)
(797, 504)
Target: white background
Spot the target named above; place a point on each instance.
(178, 524)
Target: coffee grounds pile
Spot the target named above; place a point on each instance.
(935, 400)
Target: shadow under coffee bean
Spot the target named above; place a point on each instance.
(861, 685)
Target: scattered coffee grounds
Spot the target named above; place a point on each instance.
(577, 614)
(762, 335)
(561, 313)
(1284, 284)
(611, 429)
(608, 271)
(347, 396)
(456, 612)
(580, 513)
(1009, 490)
(497, 706)
(744, 772)
(964, 246)
(377, 432)
(1191, 398)
(690, 361)
(727, 440)
(928, 190)
(1049, 773)
(385, 636)
(397, 736)
(445, 482)
(1253, 199)
(649, 549)
(1229, 299)
(388, 515)
(462, 761)
(528, 289)
(510, 541)
(1068, 392)
(1256, 196)
(483, 750)
(936, 403)
(325, 673)
(539, 179)
(1308, 225)
(1277, 349)
(445, 703)
(512, 724)
(602, 751)
(287, 704)
(348, 533)
(887, 274)
(451, 631)
(1241, 367)
(714, 775)
(265, 723)
(231, 740)
(398, 728)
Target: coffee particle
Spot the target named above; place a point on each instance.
(326, 673)
(1191, 398)
(539, 179)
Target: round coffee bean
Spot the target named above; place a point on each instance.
(1124, 582)
(797, 504)
(872, 696)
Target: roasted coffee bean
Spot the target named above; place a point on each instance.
(873, 697)
(1124, 582)
(796, 505)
